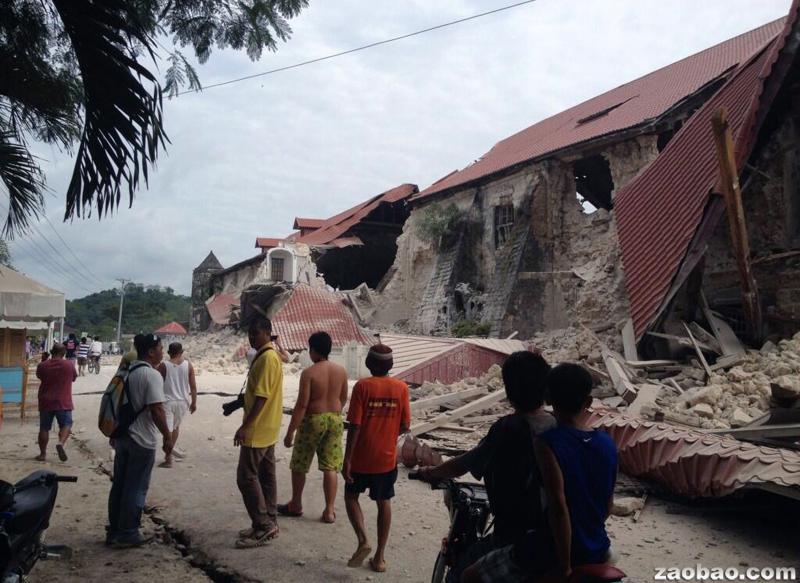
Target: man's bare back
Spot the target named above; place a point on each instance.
(327, 383)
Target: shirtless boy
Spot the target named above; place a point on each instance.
(317, 418)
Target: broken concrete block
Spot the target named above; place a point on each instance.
(709, 395)
(614, 402)
(626, 506)
(769, 347)
(739, 418)
(703, 410)
(787, 385)
(694, 373)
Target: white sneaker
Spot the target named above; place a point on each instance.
(178, 454)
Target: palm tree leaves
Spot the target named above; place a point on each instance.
(122, 129)
(23, 180)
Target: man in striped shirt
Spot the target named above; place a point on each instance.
(82, 352)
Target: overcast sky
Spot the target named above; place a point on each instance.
(247, 158)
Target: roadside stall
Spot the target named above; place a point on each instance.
(26, 308)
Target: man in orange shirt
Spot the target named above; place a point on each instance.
(379, 412)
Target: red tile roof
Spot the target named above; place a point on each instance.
(693, 463)
(301, 223)
(336, 226)
(312, 309)
(172, 329)
(268, 242)
(219, 308)
(659, 212)
(627, 106)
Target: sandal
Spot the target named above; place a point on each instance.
(377, 567)
(284, 510)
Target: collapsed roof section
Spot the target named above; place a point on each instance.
(636, 106)
(659, 213)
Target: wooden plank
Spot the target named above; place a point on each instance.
(777, 430)
(427, 403)
(481, 419)
(629, 341)
(456, 428)
(619, 378)
(702, 335)
(726, 337)
(729, 361)
(675, 384)
(477, 405)
(682, 341)
(652, 363)
(698, 351)
(729, 181)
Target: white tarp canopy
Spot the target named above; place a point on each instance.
(23, 301)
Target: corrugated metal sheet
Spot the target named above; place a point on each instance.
(419, 359)
(311, 309)
(659, 212)
(336, 226)
(219, 308)
(499, 345)
(692, 463)
(627, 106)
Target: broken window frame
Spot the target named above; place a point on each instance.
(504, 216)
(593, 181)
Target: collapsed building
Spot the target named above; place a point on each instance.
(534, 234)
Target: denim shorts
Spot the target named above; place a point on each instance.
(64, 419)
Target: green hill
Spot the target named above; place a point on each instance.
(146, 309)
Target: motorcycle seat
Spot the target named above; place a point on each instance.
(596, 573)
(31, 507)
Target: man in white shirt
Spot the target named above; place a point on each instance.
(136, 447)
(96, 349)
(180, 391)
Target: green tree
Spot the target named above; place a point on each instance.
(79, 74)
(5, 255)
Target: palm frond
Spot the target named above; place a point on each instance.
(23, 181)
(123, 129)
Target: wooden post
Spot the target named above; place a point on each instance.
(729, 177)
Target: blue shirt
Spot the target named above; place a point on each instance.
(588, 462)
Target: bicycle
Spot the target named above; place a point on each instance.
(93, 366)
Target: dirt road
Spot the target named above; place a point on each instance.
(198, 503)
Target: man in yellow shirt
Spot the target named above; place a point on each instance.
(263, 411)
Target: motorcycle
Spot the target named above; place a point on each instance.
(25, 509)
(468, 505)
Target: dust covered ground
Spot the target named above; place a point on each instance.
(196, 509)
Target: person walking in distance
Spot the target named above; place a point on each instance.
(263, 410)
(180, 390)
(55, 400)
(317, 418)
(82, 352)
(136, 445)
(71, 345)
(379, 412)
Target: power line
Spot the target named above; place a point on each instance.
(87, 271)
(72, 274)
(361, 48)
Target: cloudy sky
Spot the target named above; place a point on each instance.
(247, 158)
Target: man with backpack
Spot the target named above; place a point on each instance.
(505, 458)
(141, 418)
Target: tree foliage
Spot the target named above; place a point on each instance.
(439, 223)
(145, 309)
(5, 255)
(79, 74)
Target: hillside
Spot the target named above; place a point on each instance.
(146, 308)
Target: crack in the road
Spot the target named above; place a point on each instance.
(170, 535)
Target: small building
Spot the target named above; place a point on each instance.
(172, 332)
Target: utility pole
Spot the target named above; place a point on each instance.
(123, 283)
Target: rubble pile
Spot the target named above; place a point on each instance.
(218, 351)
(736, 397)
(492, 380)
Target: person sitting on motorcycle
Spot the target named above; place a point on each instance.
(579, 470)
(505, 459)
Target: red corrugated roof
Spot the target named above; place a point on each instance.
(268, 242)
(628, 106)
(693, 463)
(336, 226)
(659, 212)
(312, 309)
(301, 223)
(172, 329)
(219, 308)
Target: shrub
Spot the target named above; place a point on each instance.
(439, 224)
(464, 328)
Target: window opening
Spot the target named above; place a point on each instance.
(276, 268)
(503, 221)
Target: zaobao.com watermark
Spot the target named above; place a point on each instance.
(701, 573)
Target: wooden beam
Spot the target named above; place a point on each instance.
(619, 378)
(777, 430)
(728, 341)
(729, 179)
(446, 418)
(629, 341)
(699, 352)
(422, 404)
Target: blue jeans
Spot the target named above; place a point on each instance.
(133, 465)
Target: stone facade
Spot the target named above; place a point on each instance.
(526, 256)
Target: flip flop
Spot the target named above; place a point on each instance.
(40, 458)
(284, 510)
(359, 556)
(377, 567)
(62, 455)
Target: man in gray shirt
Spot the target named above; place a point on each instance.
(136, 448)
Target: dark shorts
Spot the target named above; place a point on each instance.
(381, 486)
(64, 419)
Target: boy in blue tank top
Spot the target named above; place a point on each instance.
(578, 469)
